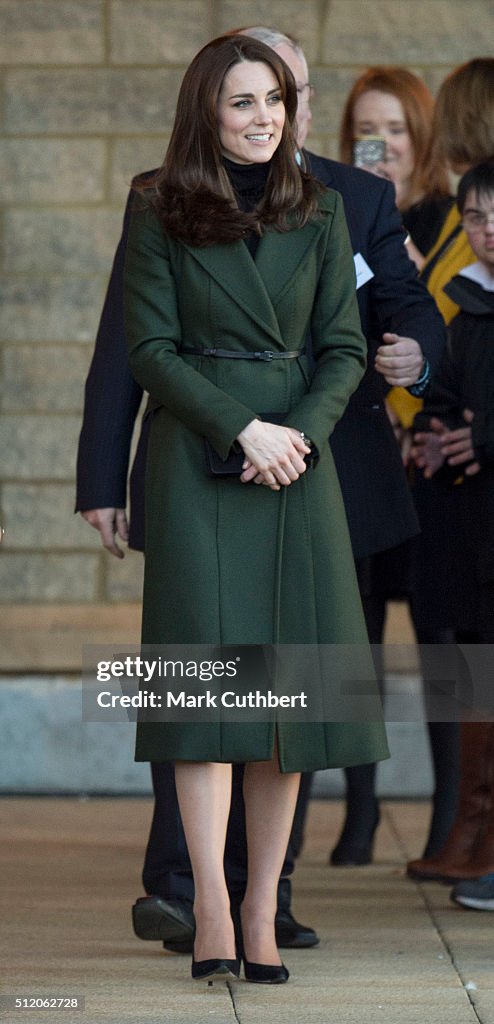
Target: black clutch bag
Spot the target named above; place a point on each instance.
(231, 466)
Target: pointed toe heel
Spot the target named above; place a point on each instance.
(266, 974)
(203, 970)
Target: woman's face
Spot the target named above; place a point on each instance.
(380, 113)
(251, 113)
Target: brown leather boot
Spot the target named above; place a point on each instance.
(474, 807)
(481, 861)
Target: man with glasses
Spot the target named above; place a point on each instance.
(392, 303)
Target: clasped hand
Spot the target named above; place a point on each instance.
(274, 454)
(432, 449)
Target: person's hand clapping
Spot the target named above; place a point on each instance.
(274, 454)
(426, 450)
(457, 445)
(431, 450)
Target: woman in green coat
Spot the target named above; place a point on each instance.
(235, 254)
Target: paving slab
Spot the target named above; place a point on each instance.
(391, 951)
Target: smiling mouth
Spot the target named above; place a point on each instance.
(259, 138)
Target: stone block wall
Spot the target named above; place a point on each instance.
(88, 89)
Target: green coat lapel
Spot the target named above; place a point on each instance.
(233, 268)
(255, 286)
(279, 256)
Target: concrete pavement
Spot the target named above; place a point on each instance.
(391, 951)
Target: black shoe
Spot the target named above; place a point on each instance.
(266, 974)
(171, 921)
(351, 856)
(356, 843)
(215, 969)
(179, 947)
(290, 934)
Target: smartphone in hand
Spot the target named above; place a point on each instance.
(368, 151)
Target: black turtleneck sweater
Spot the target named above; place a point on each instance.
(248, 182)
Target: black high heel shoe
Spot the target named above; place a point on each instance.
(215, 968)
(266, 974)
(261, 974)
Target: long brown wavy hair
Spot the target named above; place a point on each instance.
(464, 116)
(191, 192)
(429, 177)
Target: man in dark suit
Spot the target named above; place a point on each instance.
(405, 336)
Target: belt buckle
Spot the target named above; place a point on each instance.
(267, 355)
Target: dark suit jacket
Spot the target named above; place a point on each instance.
(377, 500)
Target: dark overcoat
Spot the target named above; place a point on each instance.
(454, 566)
(372, 479)
(228, 563)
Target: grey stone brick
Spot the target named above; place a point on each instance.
(52, 635)
(95, 128)
(48, 577)
(42, 516)
(300, 20)
(124, 578)
(400, 32)
(332, 87)
(53, 308)
(44, 378)
(52, 170)
(61, 241)
(317, 143)
(129, 157)
(51, 32)
(434, 77)
(331, 148)
(39, 447)
(153, 32)
(102, 101)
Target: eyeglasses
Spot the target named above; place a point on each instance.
(477, 220)
(305, 93)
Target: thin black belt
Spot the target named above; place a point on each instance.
(225, 353)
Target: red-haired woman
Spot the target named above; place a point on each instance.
(396, 105)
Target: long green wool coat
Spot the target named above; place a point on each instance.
(228, 563)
